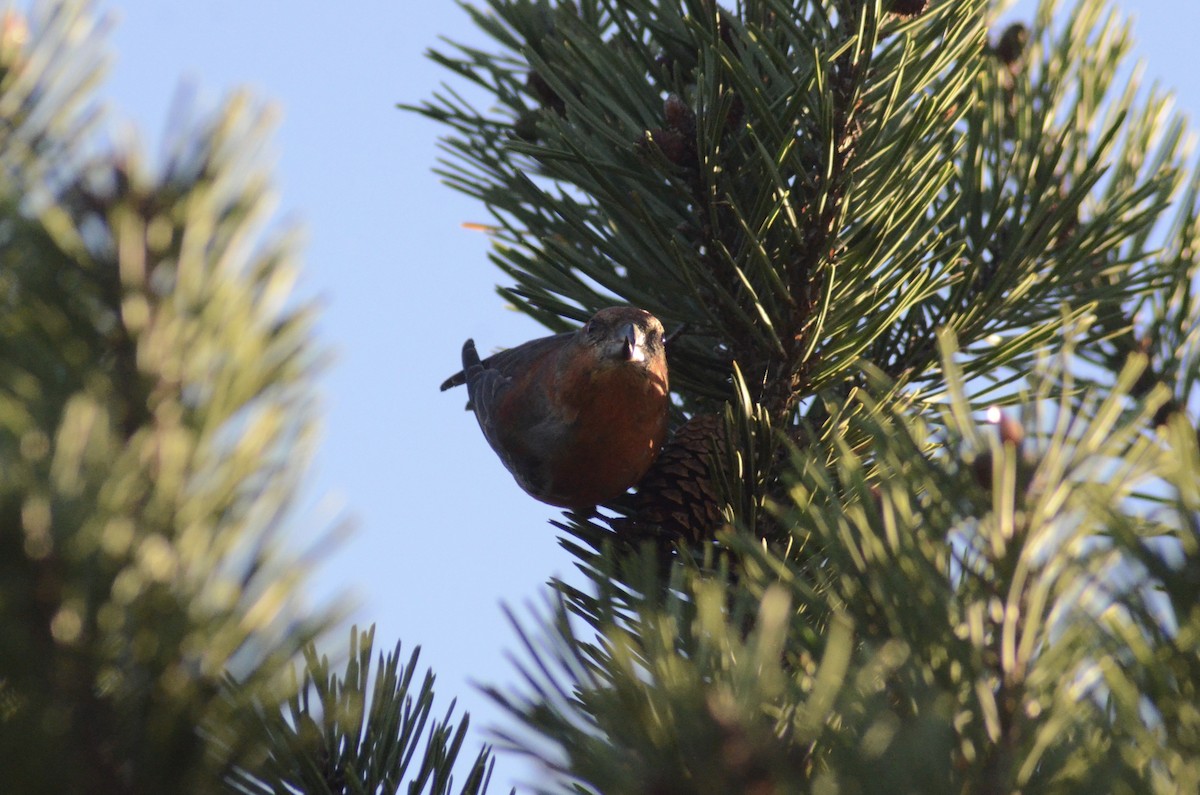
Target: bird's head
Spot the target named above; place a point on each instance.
(625, 334)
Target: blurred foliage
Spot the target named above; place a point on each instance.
(156, 416)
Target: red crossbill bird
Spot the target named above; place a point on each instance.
(577, 418)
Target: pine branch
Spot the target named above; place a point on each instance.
(961, 633)
(354, 733)
(723, 205)
(874, 222)
(155, 415)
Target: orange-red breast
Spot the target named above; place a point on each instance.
(579, 417)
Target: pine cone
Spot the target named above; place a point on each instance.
(676, 141)
(1012, 433)
(674, 146)
(678, 493)
(908, 8)
(1010, 49)
(679, 116)
(538, 87)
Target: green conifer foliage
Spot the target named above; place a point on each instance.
(935, 274)
(156, 415)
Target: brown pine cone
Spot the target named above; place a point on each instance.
(678, 493)
(1011, 46)
(540, 88)
(1011, 433)
(908, 8)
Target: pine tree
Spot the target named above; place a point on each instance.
(156, 408)
(929, 519)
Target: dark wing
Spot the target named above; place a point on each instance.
(508, 362)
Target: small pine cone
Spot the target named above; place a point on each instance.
(676, 141)
(674, 145)
(1011, 433)
(525, 127)
(908, 8)
(678, 115)
(1011, 47)
(539, 88)
(678, 493)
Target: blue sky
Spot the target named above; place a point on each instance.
(443, 537)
